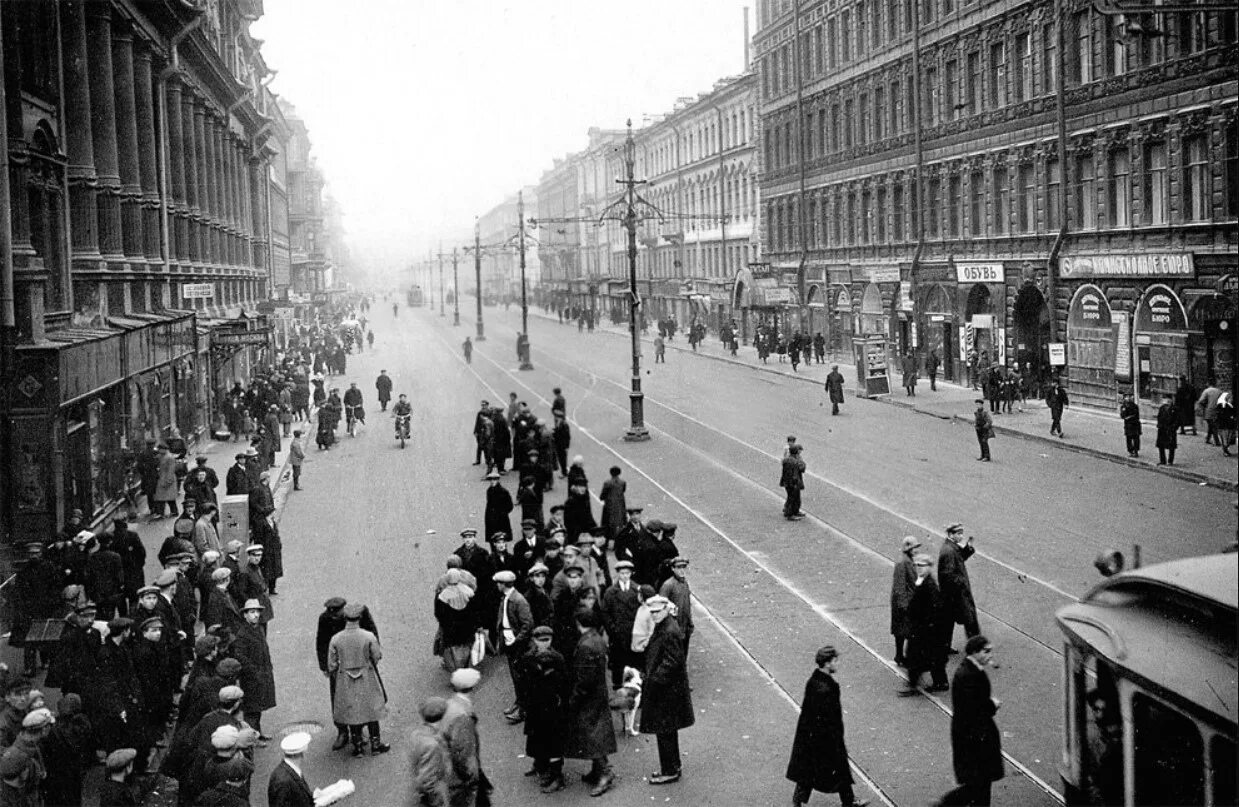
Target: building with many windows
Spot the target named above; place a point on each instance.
(143, 152)
(967, 176)
(501, 273)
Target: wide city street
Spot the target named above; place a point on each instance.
(375, 523)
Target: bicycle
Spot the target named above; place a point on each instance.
(350, 415)
(402, 428)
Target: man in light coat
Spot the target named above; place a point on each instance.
(360, 699)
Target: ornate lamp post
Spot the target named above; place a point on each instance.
(636, 431)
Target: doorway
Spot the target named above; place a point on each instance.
(1032, 336)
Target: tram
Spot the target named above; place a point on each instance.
(415, 299)
(1151, 692)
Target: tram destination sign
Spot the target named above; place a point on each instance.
(1145, 265)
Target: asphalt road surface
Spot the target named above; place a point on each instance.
(376, 523)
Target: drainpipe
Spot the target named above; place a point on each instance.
(1060, 100)
(174, 66)
(8, 313)
(919, 222)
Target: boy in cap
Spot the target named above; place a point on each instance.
(76, 651)
(155, 685)
(428, 756)
(115, 791)
(287, 786)
(544, 670)
(537, 593)
(819, 758)
(619, 610)
(676, 589)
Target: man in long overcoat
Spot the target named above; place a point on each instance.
(957, 603)
(976, 745)
(498, 507)
(902, 580)
(544, 671)
(483, 434)
(792, 480)
(501, 444)
(257, 672)
(590, 733)
(619, 610)
(613, 504)
(834, 388)
(165, 484)
(331, 622)
(925, 651)
(352, 657)
(819, 758)
(666, 705)
(428, 756)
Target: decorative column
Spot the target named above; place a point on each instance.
(127, 142)
(192, 141)
(103, 113)
(230, 196)
(148, 173)
(259, 215)
(206, 176)
(84, 224)
(177, 150)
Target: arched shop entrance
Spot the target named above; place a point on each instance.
(938, 327)
(1161, 343)
(816, 304)
(1031, 318)
(1090, 347)
(979, 332)
(872, 317)
(842, 323)
(1211, 341)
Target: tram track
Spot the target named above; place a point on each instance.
(780, 579)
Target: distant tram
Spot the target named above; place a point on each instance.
(415, 297)
(1151, 691)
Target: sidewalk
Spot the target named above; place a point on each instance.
(1086, 430)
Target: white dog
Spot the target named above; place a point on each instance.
(627, 699)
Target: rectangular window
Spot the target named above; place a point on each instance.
(1156, 188)
(1086, 193)
(1049, 50)
(806, 57)
(909, 104)
(1082, 57)
(845, 36)
(862, 28)
(950, 93)
(1150, 38)
(835, 226)
(897, 213)
(848, 117)
(862, 126)
(997, 75)
(832, 43)
(948, 6)
(1230, 172)
(1002, 198)
(933, 205)
(789, 151)
(896, 123)
(850, 218)
(927, 11)
(907, 14)
(1028, 198)
(1195, 179)
(876, 23)
(879, 110)
(1116, 45)
(954, 204)
(976, 216)
(866, 216)
(881, 216)
(976, 99)
(823, 133)
(1022, 85)
(818, 62)
(1119, 200)
(835, 142)
(809, 145)
(892, 19)
(1053, 182)
(914, 205)
(930, 105)
(1191, 32)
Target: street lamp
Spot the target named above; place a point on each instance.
(477, 271)
(636, 432)
(455, 291)
(522, 341)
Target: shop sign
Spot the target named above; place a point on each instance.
(982, 321)
(838, 275)
(1058, 354)
(1122, 347)
(256, 338)
(1160, 311)
(844, 301)
(979, 273)
(1089, 309)
(904, 301)
(1228, 285)
(1177, 264)
(777, 295)
(198, 291)
(876, 274)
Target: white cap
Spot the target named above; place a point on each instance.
(295, 743)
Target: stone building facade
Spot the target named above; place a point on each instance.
(964, 176)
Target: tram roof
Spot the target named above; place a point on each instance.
(1171, 626)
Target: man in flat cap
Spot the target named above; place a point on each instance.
(635, 543)
(353, 655)
(77, 651)
(128, 544)
(116, 791)
(563, 609)
(502, 559)
(953, 583)
(984, 425)
(476, 560)
(792, 481)
(902, 580)
(428, 756)
(619, 610)
(189, 749)
(926, 651)
(155, 684)
(221, 607)
(676, 589)
(976, 742)
(819, 758)
(497, 517)
(460, 733)
(530, 548)
(237, 480)
(666, 705)
(257, 672)
(514, 627)
(115, 697)
(483, 435)
(545, 674)
(287, 786)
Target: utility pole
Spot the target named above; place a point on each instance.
(455, 291)
(477, 271)
(636, 432)
(442, 308)
(523, 340)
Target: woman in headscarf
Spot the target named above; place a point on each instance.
(458, 622)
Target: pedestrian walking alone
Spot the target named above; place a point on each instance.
(660, 350)
(1056, 400)
(932, 364)
(1129, 411)
(1207, 406)
(1167, 431)
(908, 365)
(834, 388)
(976, 745)
(985, 429)
(1185, 404)
(467, 347)
(296, 456)
(819, 758)
(792, 481)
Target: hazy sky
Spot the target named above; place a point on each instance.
(426, 113)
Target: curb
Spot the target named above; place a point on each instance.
(1186, 476)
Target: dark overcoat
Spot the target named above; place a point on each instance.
(666, 704)
(902, 581)
(498, 508)
(590, 733)
(819, 755)
(613, 506)
(925, 621)
(503, 439)
(954, 583)
(834, 386)
(545, 676)
(257, 673)
(1167, 426)
(976, 746)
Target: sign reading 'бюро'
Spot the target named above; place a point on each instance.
(1177, 264)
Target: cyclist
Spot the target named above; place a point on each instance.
(353, 404)
(402, 410)
(395, 309)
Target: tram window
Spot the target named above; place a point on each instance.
(1222, 756)
(1169, 757)
(1103, 769)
